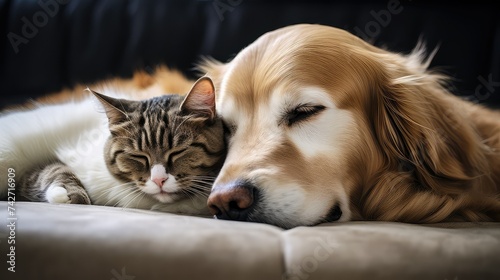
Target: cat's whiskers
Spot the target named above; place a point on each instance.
(202, 177)
(203, 188)
(198, 185)
(202, 185)
(208, 179)
(140, 199)
(140, 194)
(198, 189)
(121, 199)
(192, 194)
(208, 184)
(117, 189)
(197, 192)
(110, 189)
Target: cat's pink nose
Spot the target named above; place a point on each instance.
(159, 175)
(159, 181)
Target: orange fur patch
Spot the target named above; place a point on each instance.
(141, 85)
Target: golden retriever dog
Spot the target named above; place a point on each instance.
(324, 127)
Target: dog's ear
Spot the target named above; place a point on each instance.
(424, 131)
(420, 134)
(434, 160)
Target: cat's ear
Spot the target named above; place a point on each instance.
(200, 100)
(116, 109)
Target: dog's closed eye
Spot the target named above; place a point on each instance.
(300, 113)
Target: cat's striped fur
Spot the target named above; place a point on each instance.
(181, 135)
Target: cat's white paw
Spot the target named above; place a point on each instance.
(57, 194)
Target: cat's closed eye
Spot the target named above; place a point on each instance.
(141, 162)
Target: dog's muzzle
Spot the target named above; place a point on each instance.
(233, 201)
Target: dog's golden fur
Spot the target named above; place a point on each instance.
(416, 153)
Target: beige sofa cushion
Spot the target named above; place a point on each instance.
(96, 242)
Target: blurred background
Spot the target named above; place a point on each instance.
(47, 45)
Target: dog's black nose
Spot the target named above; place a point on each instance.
(233, 201)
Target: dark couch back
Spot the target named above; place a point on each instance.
(50, 44)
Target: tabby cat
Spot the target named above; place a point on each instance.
(162, 153)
